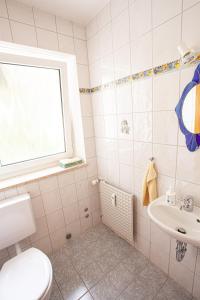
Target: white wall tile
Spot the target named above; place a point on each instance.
(23, 34)
(181, 274)
(86, 105)
(51, 201)
(48, 184)
(44, 20)
(64, 26)
(166, 39)
(124, 99)
(55, 220)
(3, 9)
(141, 53)
(184, 188)
(68, 194)
(107, 69)
(122, 62)
(104, 16)
(142, 95)
(83, 76)
(88, 127)
(47, 39)
(38, 207)
(142, 153)
(125, 152)
(187, 165)
(71, 213)
(117, 6)
(165, 159)
(140, 18)
(189, 28)
(166, 91)
(120, 28)
(126, 177)
(81, 51)
(167, 10)
(79, 31)
(92, 28)
(65, 179)
(189, 3)
(108, 101)
(20, 12)
(165, 127)
(106, 40)
(142, 127)
(66, 44)
(5, 32)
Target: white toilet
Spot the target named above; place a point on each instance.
(27, 276)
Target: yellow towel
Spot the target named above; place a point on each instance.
(150, 185)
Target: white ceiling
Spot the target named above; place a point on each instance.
(79, 11)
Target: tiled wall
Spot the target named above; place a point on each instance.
(128, 37)
(58, 201)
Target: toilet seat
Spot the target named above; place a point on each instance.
(27, 276)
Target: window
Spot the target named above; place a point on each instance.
(31, 113)
(39, 106)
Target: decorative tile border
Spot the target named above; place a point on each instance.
(174, 65)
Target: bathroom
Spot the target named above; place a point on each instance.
(74, 223)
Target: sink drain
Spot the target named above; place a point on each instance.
(181, 230)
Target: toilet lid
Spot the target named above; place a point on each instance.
(26, 276)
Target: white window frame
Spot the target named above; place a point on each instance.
(28, 56)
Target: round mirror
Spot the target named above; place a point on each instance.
(191, 110)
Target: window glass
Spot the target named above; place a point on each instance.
(31, 115)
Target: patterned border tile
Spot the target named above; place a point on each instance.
(174, 65)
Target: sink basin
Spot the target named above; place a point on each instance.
(171, 219)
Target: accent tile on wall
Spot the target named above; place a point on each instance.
(166, 91)
(166, 38)
(5, 33)
(66, 44)
(20, 12)
(140, 18)
(190, 25)
(64, 26)
(47, 39)
(3, 9)
(167, 10)
(44, 20)
(23, 34)
(141, 53)
(165, 127)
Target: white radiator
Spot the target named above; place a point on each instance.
(117, 210)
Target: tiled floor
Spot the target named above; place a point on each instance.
(100, 265)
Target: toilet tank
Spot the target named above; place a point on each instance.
(16, 220)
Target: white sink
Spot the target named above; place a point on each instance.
(170, 218)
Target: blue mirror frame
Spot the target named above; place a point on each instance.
(192, 139)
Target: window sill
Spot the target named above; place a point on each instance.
(11, 182)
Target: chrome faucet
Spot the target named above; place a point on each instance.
(187, 203)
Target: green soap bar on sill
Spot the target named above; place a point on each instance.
(70, 163)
